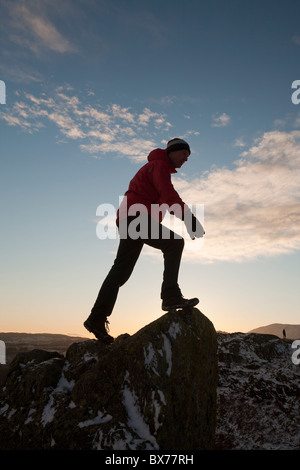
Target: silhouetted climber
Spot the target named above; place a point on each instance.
(139, 217)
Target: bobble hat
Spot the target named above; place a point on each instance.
(178, 144)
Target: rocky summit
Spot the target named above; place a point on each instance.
(153, 390)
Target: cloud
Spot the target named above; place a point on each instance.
(189, 133)
(253, 210)
(31, 28)
(97, 129)
(239, 143)
(136, 148)
(221, 120)
(147, 115)
(24, 75)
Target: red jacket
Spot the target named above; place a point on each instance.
(152, 185)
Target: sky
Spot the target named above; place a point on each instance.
(91, 87)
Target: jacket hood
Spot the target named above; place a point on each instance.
(162, 155)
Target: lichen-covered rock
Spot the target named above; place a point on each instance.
(155, 389)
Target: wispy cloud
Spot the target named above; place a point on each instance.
(239, 143)
(221, 120)
(30, 27)
(253, 210)
(97, 129)
(24, 75)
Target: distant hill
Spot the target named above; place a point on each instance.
(22, 342)
(292, 331)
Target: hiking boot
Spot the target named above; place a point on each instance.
(178, 302)
(100, 330)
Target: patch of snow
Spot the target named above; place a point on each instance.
(157, 408)
(48, 412)
(174, 330)
(29, 417)
(101, 418)
(63, 386)
(88, 356)
(135, 418)
(162, 397)
(150, 358)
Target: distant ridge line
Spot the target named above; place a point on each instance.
(291, 331)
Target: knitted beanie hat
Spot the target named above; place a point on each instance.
(178, 144)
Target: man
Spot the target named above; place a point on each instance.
(149, 195)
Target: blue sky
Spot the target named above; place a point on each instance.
(91, 88)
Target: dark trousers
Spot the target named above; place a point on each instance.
(156, 236)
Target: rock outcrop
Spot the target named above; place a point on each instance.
(258, 406)
(155, 390)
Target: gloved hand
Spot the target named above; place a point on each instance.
(193, 226)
